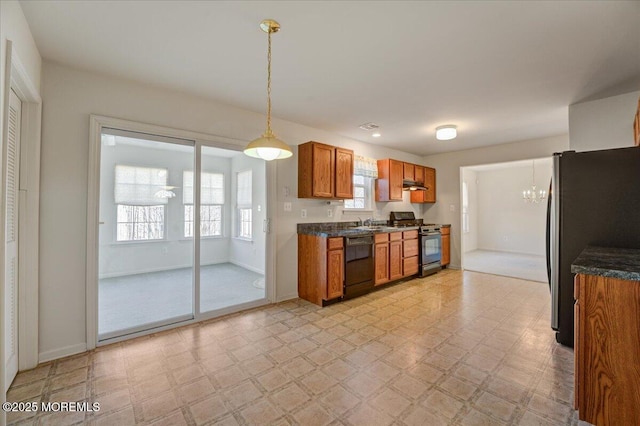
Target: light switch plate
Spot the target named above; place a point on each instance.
(329, 213)
(303, 213)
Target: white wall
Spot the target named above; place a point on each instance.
(448, 165)
(70, 97)
(603, 123)
(470, 239)
(505, 221)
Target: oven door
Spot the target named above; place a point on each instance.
(431, 248)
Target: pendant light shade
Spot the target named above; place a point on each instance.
(268, 146)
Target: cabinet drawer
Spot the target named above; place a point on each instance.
(395, 236)
(410, 265)
(445, 230)
(410, 248)
(409, 235)
(381, 238)
(335, 243)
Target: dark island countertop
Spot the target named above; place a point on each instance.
(611, 262)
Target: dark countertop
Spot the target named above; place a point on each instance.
(349, 229)
(611, 262)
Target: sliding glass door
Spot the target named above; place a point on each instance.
(145, 264)
(164, 203)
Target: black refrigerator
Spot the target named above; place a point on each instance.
(594, 199)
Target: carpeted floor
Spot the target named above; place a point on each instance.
(135, 300)
(516, 265)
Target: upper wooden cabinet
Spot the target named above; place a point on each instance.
(409, 171)
(427, 176)
(389, 182)
(324, 171)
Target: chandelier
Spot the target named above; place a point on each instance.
(533, 195)
(268, 146)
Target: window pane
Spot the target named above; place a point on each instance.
(349, 204)
(359, 203)
(358, 180)
(138, 223)
(358, 192)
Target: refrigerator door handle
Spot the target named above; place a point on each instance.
(554, 241)
(548, 234)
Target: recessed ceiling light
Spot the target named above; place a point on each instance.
(446, 132)
(376, 135)
(369, 126)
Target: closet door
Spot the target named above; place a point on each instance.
(11, 238)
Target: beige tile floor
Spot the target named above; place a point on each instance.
(454, 348)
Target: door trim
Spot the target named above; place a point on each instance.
(18, 79)
(96, 123)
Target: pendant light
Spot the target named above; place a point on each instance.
(268, 146)
(533, 195)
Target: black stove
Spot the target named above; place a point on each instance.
(404, 219)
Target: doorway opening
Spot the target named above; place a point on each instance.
(502, 234)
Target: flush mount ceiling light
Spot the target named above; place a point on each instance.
(268, 146)
(446, 132)
(376, 134)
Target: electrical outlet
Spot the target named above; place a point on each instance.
(286, 191)
(303, 213)
(259, 208)
(329, 213)
(287, 207)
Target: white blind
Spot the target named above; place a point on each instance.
(138, 186)
(211, 188)
(244, 188)
(364, 166)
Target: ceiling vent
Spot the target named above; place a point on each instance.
(369, 126)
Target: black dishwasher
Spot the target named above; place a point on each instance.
(358, 266)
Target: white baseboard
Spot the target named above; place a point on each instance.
(251, 268)
(62, 352)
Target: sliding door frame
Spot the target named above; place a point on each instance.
(97, 123)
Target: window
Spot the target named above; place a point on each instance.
(465, 208)
(140, 211)
(361, 193)
(211, 202)
(243, 199)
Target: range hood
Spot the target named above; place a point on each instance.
(412, 185)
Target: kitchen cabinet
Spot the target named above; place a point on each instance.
(410, 250)
(395, 256)
(409, 171)
(320, 268)
(389, 182)
(381, 258)
(445, 233)
(607, 350)
(324, 171)
(426, 175)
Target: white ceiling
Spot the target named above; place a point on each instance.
(501, 71)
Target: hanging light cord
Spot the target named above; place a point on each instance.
(269, 83)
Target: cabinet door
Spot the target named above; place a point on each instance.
(395, 260)
(323, 170)
(335, 273)
(396, 173)
(410, 266)
(418, 196)
(446, 250)
(409, 171)
(344, 173)
(430, 183)
(381, 261)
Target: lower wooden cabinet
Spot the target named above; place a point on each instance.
(607, 350)
(445, 233)
(395, 259)
(410, 251)
(320, 268)
(381, 259)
